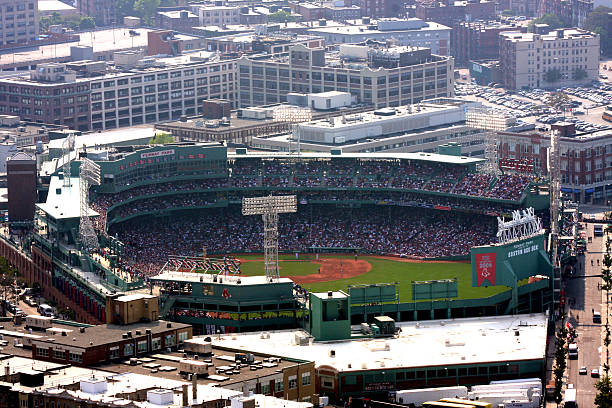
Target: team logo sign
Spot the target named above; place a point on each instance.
(226, 294)
(485, 268)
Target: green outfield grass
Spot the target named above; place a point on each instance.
(383, 271)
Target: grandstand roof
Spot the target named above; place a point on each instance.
(63, 202)
(140, 134)
(426, 343)
(432, 157)
(208, 278)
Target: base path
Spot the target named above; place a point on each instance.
(335, 269)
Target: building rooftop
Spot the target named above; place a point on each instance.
(140, 134)
(108, 333)
(566, 34)
(63, 201)
(54, 5)
(176, 14)
(365, 29)
(101, 41)
(210, 278)
(425, 343)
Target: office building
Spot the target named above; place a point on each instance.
(411, 32)
(450, 13)
(21, 181)
(18, 22)
(85, 96)
(374, 75)
(560, 58)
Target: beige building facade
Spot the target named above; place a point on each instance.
(18, 21)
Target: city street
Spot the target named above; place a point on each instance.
(583, 296)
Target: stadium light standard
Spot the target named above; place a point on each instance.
(269, 207)
(89, 174)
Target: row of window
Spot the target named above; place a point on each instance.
(273, 72)
(161, 76)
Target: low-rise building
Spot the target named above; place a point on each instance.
(209, 15)
(564, 57)
(409, 32)
(178, 20)
(375, 75)
(450, 13)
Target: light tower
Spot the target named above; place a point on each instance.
(293, 115)
(554, 163)
(269, 207)
(89, 174)
(487, 119)
(67, 146)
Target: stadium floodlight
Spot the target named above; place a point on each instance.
(524, 224)
(67, 146)
(294, 116)
(491, 122)
(269, 207)
(89, 174)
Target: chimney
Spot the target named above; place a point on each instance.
(185, 395)
(194, 386)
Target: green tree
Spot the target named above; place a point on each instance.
(552, 20)
(8, 276)
(552, 75)
(558, 100)
(507, 13)
(281, 16)
(161, 138)
(124, 8)
(599, 22)
(560, 361)
(579, 74)
(87, 23)
(146, 9)
(603, 399)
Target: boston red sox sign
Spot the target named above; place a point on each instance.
(485, 268)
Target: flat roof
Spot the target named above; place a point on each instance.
(110, 137)
(54, 5)
(101, 40)
(63, 202)
(420, 344)
(363, 29)
(109, 333)
(208, 278)
(433, 157)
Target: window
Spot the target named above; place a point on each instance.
(169, 340)
(142, 346)
(76, 357)
(265, 389)
(292, 382)
(182, 336)
(114, 352)
(278, 385)
(156, 343)
(306, 378)
(59, 354)
(42, 352)
(128, 349)
(327, 381)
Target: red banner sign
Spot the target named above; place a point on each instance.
(485, 268)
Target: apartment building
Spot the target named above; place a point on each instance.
(375, 75)
(413, 32)
(178, 20)
(18, 22)
(564, 57)
(477, 40)
(571, 12)
(85, 96)
(216, 15)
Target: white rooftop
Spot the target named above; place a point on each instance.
(425, 343)
(63, 201)
(208, 277)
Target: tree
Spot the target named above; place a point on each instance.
(558, 100)
(8, 276)
(598, 21)
(507, 13)
(603, 399)
(87, 23)
(281, 17)
(579, 74)
(146, 9)
(161, 138)
(552, 75)
(552, 20)
(560, 361)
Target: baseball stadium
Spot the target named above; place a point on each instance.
(406, 235)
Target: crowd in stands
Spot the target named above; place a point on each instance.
(383, 230)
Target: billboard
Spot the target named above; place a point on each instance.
(435, 289)
(375, 293)
(503, 264)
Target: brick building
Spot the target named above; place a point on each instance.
(180, 20)
(571, 12)
(53, 94)
(451, 14)
(476, 41)
(108, 342)
(103, 11)
(21, 180)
